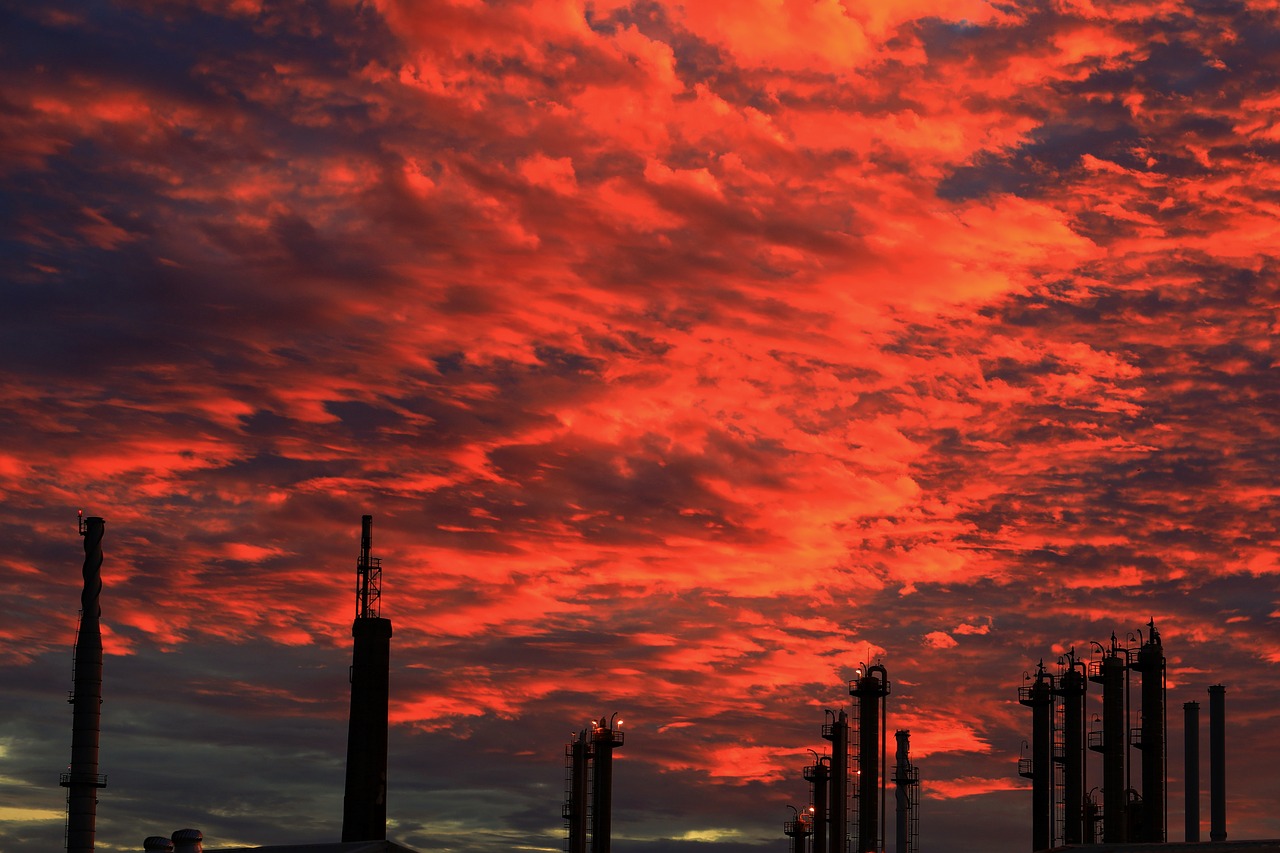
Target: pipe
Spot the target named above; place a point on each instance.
(1191, 757)
(1217, 763)
(81, 779)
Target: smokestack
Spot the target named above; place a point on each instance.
(1191, 756)
(1039, 697)
(837, 732)
(604, 740)
(1217, 763)
(819, 775)
(1150, 663)
(1071, 687)
(575, 807)
(81, 779)
(871, 693)
(364, 805)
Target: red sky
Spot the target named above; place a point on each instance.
(687, 356)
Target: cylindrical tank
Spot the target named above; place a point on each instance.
(837, 732)
(870, 690)
(1217, 763)
(188, 841)
(1191, 756)
(157, 843)
(1150, 663)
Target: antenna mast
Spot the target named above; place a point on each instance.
(368, 574)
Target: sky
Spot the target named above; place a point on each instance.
(688, 356)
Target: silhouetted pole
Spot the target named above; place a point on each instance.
(838, 733)
(1191, 755)
(81, 779)
(1217, 763)
(364, 805)
(1150, 663)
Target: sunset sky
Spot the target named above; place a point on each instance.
(686, 355)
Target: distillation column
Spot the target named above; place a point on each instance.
(1110, 671)
(81, 779)
(1150, 662)
(604, 740)
(364, 804)
(1071, 687)
(1039, 697)
(838, 803)
(871, 691)
(575, 809)
(819, 775)
(906, 777)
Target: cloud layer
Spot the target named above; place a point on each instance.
(686, 356)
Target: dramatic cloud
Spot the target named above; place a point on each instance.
(688, 357)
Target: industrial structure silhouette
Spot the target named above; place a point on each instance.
(851, 780)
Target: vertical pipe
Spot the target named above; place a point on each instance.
(838, 804)
(1217, 763)
(81, 779)
(1191, 757)
(1150, 664)
(1114, 747)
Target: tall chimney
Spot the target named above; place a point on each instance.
(1191, 756)
(907, 779)
(1217, 763)
(364, 805)
(81, 779)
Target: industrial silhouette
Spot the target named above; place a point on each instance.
(589, 765)
(827, 817)
(1061, 811)
(82, 779)
(1061, 808)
